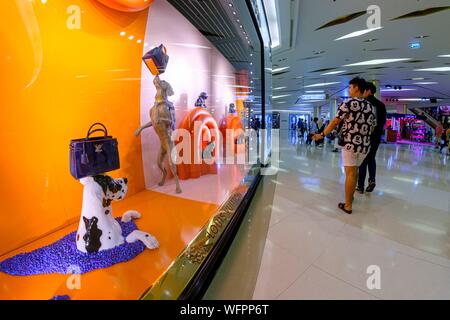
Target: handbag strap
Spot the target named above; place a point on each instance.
(104, 130)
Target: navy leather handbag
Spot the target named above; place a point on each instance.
(93, 156)
(157, 60)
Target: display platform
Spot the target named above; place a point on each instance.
(173, 220)
(214, 189)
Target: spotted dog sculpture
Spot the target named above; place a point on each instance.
(162, 117)
(98, 230)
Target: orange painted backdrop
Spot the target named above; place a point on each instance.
(56, 80)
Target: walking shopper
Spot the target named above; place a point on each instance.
(375, 140)
(439, 130)
(359, 120)
(314, 129)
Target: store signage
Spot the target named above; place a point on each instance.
(415, 45)
(309, 97)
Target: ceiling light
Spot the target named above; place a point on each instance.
(411, 99)
(444, 56)
(376, 62)
(315, 91)
(444, 69)
(279, 88)
(424, 83)
(279, 69)
(392, 90)
(333, 72)
(358, 33)
(282, 96)
(272, 20)
(417, 79)
(321, 84)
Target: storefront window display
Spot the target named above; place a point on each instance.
(408, 128)
(119, 119)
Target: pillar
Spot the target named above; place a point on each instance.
(378, 86)
(333, 108)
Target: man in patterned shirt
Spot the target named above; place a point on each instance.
(359, 121)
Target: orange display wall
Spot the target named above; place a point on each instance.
(65, 65)
(62, 68)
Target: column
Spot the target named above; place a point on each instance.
(377, 85)
(333, 108)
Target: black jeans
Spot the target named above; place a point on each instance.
(370, 162)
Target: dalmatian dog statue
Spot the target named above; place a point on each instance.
(98, 230)
(162, 117)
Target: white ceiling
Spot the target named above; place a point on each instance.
(395, 36)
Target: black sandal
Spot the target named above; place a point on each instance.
(342, 207)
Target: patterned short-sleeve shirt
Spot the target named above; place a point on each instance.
(359, 121)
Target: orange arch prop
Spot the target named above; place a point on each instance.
(127, 5)
(208, 129)
(233, 122)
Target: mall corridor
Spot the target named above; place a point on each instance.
(314, 251)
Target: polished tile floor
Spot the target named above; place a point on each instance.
(313, 251)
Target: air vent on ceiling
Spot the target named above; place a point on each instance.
(280, 73)
(350, 74)
(422, 13)
(309, 58)
(342, 20)
(323, 70)
(415, 61)
(383, 49)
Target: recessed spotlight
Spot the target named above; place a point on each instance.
(421, 37)
(370, 40)
(444, 56)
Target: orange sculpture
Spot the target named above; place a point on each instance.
(208, 136)
(233, 122)
(127, 5)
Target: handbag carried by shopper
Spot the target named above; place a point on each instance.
(93, 156)
(340, 135)
(157, 60)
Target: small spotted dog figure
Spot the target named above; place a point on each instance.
(98, 230)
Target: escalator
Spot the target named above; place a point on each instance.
(425, 116)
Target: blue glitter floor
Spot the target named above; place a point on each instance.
(63, 257)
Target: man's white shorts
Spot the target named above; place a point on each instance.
(352, 159)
